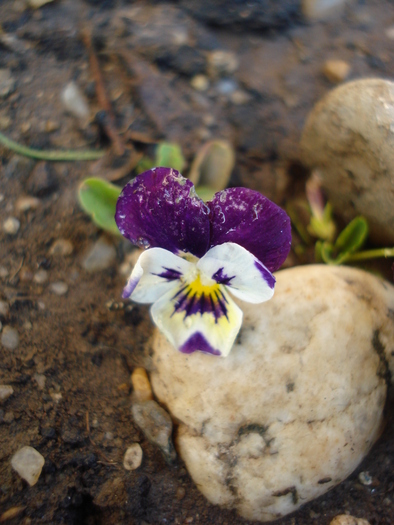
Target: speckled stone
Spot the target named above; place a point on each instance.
(297, 404)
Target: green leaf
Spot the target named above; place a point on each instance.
(144, 164)
(206, 194)
(352, 237)
(98, 199)
(170, 155)
(323, 227)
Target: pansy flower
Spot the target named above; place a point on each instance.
(197, 254)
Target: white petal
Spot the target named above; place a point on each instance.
(244, 275)
(202, 329)
(157, 271)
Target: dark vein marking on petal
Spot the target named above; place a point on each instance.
(222, 278)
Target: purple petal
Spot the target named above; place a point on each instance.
(198, 342)
(249, 219)
(160, 208)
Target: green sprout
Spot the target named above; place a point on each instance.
(321, 230)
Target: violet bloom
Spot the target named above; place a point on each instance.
(196, 253)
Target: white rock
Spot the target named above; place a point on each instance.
(28, 463)
(5, 392)
(11, 226)
(59, 288)
(299, 401)
(100, 256)
(10, 338)
(74, 101)
(349, 139)
(40, 277)
(133, 457)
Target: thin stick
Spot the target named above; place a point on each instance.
(109, 120)
(51, 155)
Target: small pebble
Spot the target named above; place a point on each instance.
(142, 390)
(365, 478)
(61, 248)
(28, 463)
(11, 226)
(40, 277)
(59, 288)
(3, 272)
(40, 379)
(239, 97)
(5, 392)
(10, 338)
(180, 493)
(100, 256)
(390, 32)
(345, 519)
(42, 180)
(133, 457)
(4, 309)
(51, 126)
(27, 203)
(56, 396)
(74, 101)
(226, 86)
(156, 424)
(8, 417)
(200, 82)
(7, 83)
(336, 71)
(322, 9)
(222, 62)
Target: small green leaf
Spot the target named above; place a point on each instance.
(144, 164)
(98, 199)
(353, 236)
(206, 194)
(213, 164)
(170, 155)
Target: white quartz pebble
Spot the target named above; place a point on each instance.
(28, 463)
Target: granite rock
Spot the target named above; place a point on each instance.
(297, 404)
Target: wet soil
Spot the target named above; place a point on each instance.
(71, 369)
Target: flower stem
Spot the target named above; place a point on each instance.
(54, 155)
(371, 254)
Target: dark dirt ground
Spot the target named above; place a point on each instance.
(80, 420)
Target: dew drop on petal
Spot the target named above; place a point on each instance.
(143, 243)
